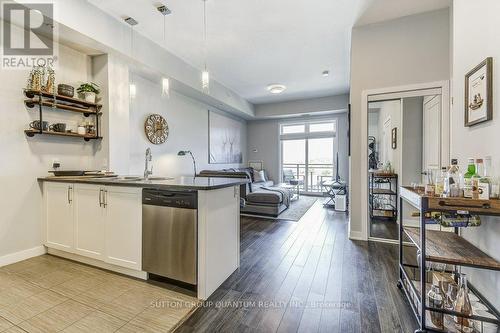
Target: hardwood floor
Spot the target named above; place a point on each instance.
(307, 276)
(382, 228)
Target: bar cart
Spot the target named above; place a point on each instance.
(443, 247)
(383, 186)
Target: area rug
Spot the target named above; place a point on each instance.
(297, 208)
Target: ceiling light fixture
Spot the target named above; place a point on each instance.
(205, 75)
(276, 88)
(325, 73)
(164, 10)
(165, 81)
(165, 87)
(132, 87)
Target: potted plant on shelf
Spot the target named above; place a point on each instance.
(89, 91)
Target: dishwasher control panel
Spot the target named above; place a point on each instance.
(174, 199)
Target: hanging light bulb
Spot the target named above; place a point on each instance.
(205, 81)
(205, 75)
(165, 87)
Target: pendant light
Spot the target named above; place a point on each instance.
(132, 86)
(205, 75)
(165, 81)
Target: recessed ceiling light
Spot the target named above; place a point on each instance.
(325, 73)
(276, 88)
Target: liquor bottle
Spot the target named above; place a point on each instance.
(471, 171)
(436, 300)
(462, 305)
(486, 181)
(439, 183)
(476, 178)
(452, 186)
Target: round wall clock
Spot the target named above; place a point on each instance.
(156, 129)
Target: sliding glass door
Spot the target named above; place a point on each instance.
(307, 154)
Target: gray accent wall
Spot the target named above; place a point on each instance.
(263, 140)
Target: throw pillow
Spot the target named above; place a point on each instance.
(259, 176)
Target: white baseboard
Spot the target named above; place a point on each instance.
(12, 258)
(356, 235)
(97, 263)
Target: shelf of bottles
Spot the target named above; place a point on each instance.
(440, 296)
(383, 193)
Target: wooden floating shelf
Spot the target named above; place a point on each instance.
(33, 132)
(30, 103)
(449, 248)
(34, 93)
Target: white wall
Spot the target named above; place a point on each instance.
(264, 136)
(24, 159)
(481, 140)
(188, 130)
(409, 50)
(303, 106)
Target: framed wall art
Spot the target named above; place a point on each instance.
(479, 93)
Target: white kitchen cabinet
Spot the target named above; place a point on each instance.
(123, 214)
(93, 221)
(58, 216)
(89, 220)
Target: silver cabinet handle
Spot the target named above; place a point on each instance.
(105, 201)
(70, 188)
(100, 197)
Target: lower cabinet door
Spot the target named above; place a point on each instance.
(58, 216)
(124, 226)
(89, 221)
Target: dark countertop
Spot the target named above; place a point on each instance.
(178, 183)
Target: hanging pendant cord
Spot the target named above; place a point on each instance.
(205, 31)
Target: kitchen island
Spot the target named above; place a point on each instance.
(99, 221)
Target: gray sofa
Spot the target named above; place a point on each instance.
(258, 198)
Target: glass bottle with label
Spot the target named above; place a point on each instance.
(471, 171)
(462, 305)
(476, 178)
(439, 183)
(452, 186)
(436, 300)
(486, 181)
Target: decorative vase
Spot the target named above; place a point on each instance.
(436, 301)
(462, 305)
(89, 96)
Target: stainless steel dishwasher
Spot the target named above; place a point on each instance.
(169, 234)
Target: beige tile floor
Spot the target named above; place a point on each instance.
(51, 294)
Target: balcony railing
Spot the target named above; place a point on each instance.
(311, 182)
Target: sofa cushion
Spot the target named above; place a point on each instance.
(257, 186)
(265, 197)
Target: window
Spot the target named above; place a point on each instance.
(307, 153)
(292, 129)
(322, 127)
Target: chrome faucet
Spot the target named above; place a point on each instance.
(149, 158)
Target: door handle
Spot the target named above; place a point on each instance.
(100, 197)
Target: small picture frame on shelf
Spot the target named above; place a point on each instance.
(394, 137)
(479, 93)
